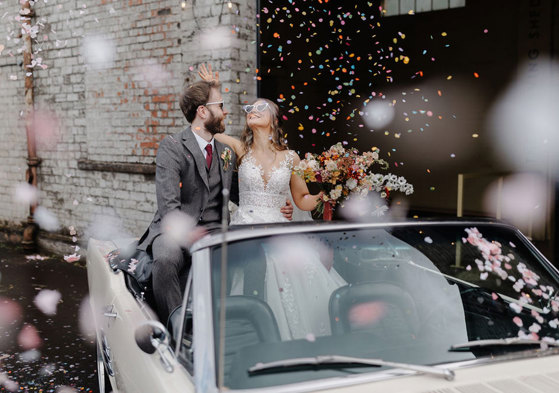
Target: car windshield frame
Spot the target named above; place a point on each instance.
(262, 232)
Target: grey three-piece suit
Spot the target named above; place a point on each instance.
(183, 182)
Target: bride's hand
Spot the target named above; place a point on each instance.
(206, 73)
(287, 210)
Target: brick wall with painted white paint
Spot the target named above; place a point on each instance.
(111, 76)
(12, 132)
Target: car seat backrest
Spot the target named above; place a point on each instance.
(249, 321)
(377, 307)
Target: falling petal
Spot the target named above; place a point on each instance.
(86, 320)
(25, 194)
(178, 228)
(46, 219)
(378, 114)
(72, 258)
(99, 52)
(29, 338)
(47, 301)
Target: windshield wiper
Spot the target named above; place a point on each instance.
(337, 359)
(502, 342)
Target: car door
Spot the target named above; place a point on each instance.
(118, 314)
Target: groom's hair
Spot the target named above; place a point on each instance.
(195, 95)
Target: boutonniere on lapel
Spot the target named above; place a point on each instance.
(226, 157)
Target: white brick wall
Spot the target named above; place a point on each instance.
(118, 113)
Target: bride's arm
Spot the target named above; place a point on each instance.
(301, 195)
(233, 142)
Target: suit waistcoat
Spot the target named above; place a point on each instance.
(212, 212)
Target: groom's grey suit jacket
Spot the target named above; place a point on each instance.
(181, 179)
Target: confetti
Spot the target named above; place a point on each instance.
(72, 258)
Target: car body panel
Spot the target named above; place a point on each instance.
(135, 371)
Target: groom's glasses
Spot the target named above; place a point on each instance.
(257, 107)
(220, 103)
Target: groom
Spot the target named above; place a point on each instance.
(192, 169)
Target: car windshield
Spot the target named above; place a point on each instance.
(406, 293)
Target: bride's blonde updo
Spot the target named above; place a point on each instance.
(277, 139)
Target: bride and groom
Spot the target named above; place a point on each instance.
(195, 165)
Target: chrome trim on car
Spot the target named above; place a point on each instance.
(203, 334)
(292, 228)
(183, 312)
(106, 354)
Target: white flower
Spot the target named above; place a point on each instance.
(379, 211)
(363, 192)
(303, 165)
(335, 194)
(351, 183)
(337, 149)
(377, 179)
(313, 164)
(331, 165)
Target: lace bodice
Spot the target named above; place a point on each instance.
(257, 190)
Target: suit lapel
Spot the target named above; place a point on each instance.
(190, 142)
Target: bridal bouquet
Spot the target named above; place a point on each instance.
(345, 173)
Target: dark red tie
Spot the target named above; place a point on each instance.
(209, 155)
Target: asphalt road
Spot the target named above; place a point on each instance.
(43, 347)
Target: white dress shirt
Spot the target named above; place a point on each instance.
(203, 143)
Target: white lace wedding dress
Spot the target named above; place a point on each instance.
(298, 285)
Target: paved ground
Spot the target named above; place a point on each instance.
(40, 351)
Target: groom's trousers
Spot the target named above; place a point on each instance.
(171, 264)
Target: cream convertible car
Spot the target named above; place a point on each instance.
(418, 307)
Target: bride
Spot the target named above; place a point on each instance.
(265, 169)
(298, 286)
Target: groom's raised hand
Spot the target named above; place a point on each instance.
(205, 73)
(287, 210)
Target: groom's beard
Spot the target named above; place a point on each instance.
(215, 125)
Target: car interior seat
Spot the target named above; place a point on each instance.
(382, 309)
(249, 321)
